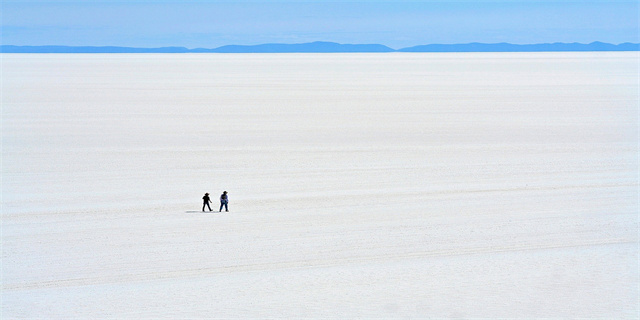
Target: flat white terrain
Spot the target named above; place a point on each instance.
(361, 185)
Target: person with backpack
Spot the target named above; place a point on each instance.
(224, 200)
(206, 200)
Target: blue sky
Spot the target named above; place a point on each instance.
(398, 24)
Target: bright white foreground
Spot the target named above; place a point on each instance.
(361, 185)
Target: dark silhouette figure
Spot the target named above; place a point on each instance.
(206, 200)
(224, 200)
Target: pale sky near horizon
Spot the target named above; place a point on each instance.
(397, 24)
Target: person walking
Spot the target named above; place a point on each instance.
(206, 200)
(224, 200)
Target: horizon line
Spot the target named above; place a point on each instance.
(328, 46)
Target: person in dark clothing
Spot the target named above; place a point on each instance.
(206, 200)
(224, 200)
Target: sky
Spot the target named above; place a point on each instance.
(397, 24)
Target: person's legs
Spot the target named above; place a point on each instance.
(226, 207)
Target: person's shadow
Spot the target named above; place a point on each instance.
(197, 211)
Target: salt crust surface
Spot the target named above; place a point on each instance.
(361, 185)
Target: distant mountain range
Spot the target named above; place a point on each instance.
(508, 47)
(332, 47)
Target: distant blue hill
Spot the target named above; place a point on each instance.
(319, 47)
(332, 47)
(68, 49)
(508, 47)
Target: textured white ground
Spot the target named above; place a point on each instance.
(361, 185)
